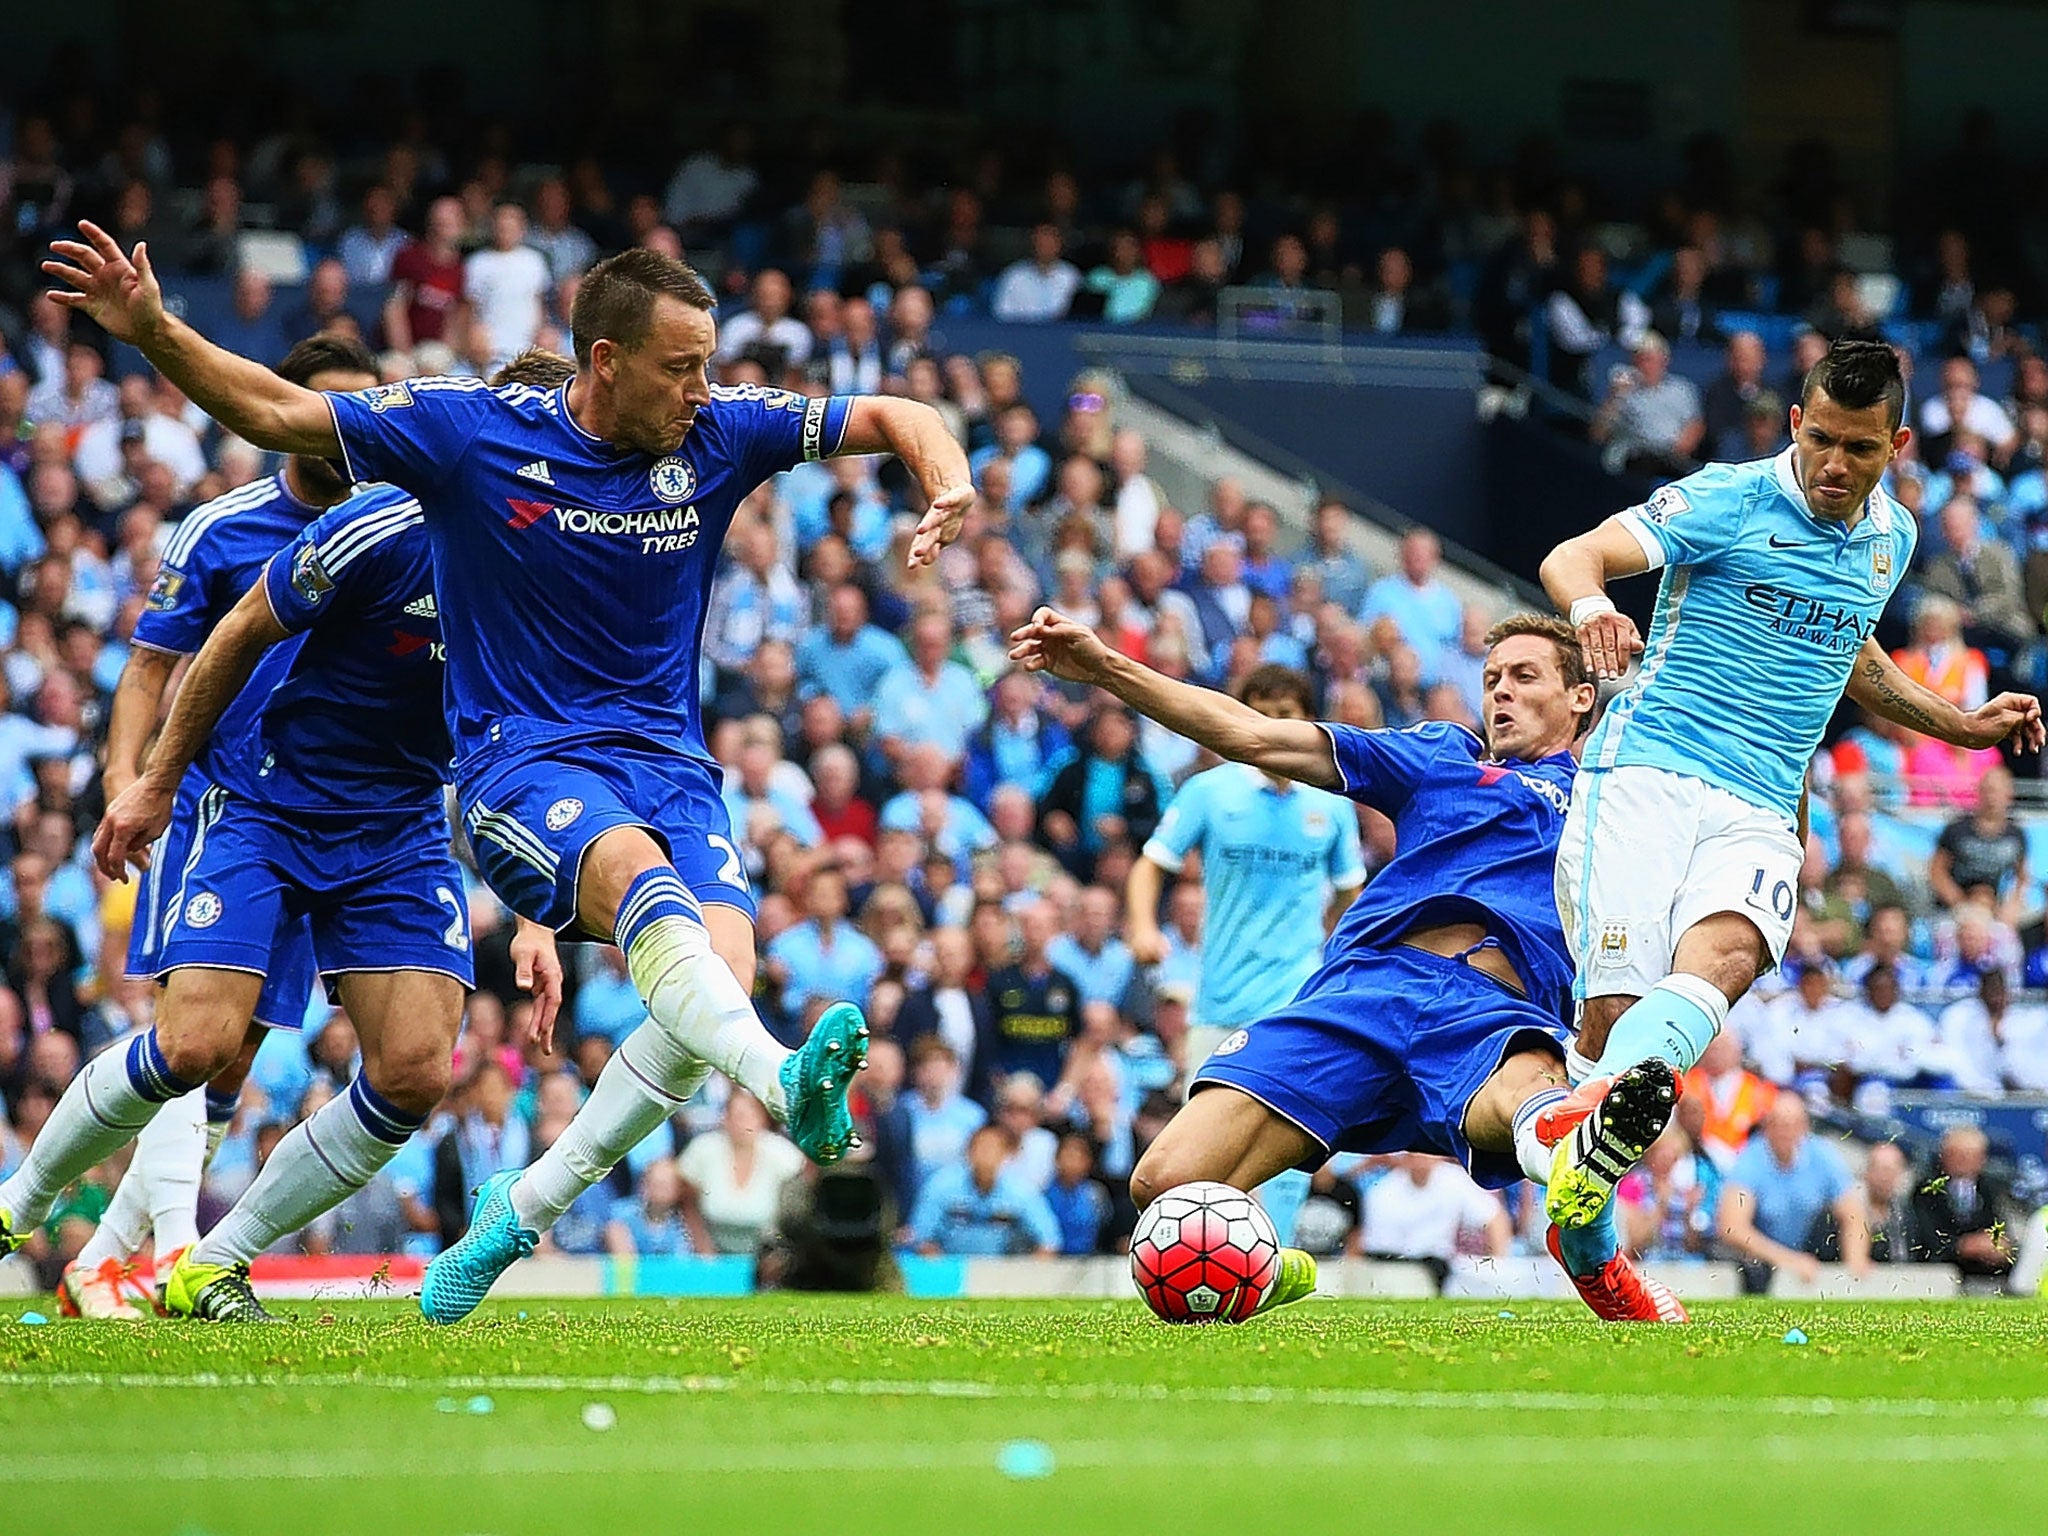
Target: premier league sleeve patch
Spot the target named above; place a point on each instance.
(163, 592)
(385, 397)
(309, 577)
(1665, 504)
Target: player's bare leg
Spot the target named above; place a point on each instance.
(1230, 1137)
(407, 1022)
(1643, 1056)
(199, 1031)
(1502, 1118)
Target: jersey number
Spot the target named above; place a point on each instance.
(732, 871)
(1782, 898)
(456, 935)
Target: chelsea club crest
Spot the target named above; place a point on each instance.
(673, 481)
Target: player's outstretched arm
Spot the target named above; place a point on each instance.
(121, 293)
(1878, 684)
(139, 814)
(917, 435)
(1576, 573)
(1290, 749)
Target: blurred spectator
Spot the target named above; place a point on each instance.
(506, 287)
(1960, 406)
(568, 250)
(1992, 1042)
(1725, 409)
(368, 249)
(948, 824)
(1981, 577)
(1020, 1110)
(253, 328)
(1887, 1188)
(1128, 289)
(1779, 1194)
(1398, 305)
(1651, 420)
(711, 188)
(1034, 1008)
(1585, 312)
(1100, 794)
(982, 1208)
(1418, 1208)
(1668, 1203)
(77, 395)
(425, 302)
(753, 599)
(1415, 597)
(928, 699)
(847, 657)
(1982, 857)
(1681, 310)
(767, 333)
(1040, 287)
(649, 1224)
(1733, 1100)
(1078, 1200)
(1963, 1215)
(942, 1118)
(733, 1177)
(1886, 1038)
(823, 958)
(1017, 742)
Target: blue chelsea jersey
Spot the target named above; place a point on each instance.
(351, 718)
(1476, 840)
(214, 554)
(575, 573)
(1760, 613)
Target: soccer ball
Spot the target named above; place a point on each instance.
(1204, 1253)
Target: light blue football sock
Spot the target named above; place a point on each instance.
(1587, 1249)
(1676, 1019)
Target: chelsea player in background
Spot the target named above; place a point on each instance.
(1678, 873)
(575, 534)
(1436, 1020)
(1280, 863)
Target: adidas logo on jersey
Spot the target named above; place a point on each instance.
(423, 607)
(538, 470)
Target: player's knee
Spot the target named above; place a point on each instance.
(1159, 1170)
(415, 1081)
(196, 1055)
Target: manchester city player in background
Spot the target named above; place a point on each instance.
(1280, 864)
(575, 533)
(1679, 869)
(1436, 1020)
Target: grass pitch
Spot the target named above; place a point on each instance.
(851, 1415)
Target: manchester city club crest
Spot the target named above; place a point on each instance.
(562, 812)
(1881, 567)
(673, 481)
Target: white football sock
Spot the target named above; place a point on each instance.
(101, 1111)
(693, 996)
(1535, 1157)
(170, 1156)
(124, 1227)
(319, 1164)
(648, 1079)
(1578, 1066)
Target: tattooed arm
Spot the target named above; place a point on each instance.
(1880, 687)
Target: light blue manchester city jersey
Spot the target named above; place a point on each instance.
(1270, 859)
(1761, 612)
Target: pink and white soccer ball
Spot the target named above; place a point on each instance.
(1204, 1253)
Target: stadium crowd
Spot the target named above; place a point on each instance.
(947, 841)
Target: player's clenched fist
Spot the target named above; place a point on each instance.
(1054, 643)
(1609, 639)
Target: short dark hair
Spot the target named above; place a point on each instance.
(1274, 681)
(1571, 656)
(326, 353)
(616, 299)
(1857, 375)
(536, 366)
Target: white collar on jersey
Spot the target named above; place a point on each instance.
(1258, 778)
(1878, 508)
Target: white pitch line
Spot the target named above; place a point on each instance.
(1399, 1398)
(590, 1456)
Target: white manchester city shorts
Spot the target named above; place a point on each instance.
(1646, 854)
